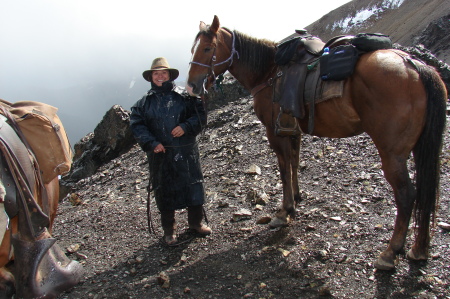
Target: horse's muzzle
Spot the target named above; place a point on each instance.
(194, 89)
(190, 90)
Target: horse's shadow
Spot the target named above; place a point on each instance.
(387, 282)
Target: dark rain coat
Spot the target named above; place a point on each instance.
(176, 176)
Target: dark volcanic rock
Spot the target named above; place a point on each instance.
(429, 58)
(436, 36)
(111, 138)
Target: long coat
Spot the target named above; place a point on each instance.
(176, 175)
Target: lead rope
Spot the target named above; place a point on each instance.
(151, 229)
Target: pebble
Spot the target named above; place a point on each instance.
(81, 256)
(444, 226)
(242, 214)
(264, 220)
(254, 169)
(323, 253)
(164, 280)
(284, 252)
(73, 248)
(139, 259)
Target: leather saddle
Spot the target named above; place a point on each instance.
(296, 56)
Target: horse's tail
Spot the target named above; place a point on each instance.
(427, 150)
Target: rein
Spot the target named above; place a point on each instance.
(214, 58)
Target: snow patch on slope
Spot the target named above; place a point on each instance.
(363, 15)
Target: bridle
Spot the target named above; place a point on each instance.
(214, 58)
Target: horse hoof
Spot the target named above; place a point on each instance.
(416, 257)
(277, 222)
(381, 264)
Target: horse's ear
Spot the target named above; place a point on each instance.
(202, 26)
(215, 25)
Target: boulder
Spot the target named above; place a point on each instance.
(111, 138)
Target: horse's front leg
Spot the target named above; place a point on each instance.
(295, 160)
(283, 149)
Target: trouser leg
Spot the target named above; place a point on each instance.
(168, 222)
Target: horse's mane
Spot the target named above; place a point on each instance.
(257, 54)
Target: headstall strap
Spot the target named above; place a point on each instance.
(214, 58)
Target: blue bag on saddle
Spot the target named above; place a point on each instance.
(339, 63)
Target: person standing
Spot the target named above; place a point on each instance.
(165, 123)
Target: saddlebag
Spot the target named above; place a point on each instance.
(45, 135)
(367, 42)
(339, 63)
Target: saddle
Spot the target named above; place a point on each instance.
(308, 76)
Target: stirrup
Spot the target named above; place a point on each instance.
(287, 125)
(42, 270)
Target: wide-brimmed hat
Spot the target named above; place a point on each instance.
(158, 64)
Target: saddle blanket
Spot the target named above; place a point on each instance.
(318, 90)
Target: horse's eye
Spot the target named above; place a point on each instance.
(207, 50)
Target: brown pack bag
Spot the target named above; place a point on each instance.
(45, 134)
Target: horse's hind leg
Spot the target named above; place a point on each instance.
(396, 173)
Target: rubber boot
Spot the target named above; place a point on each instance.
(169, 227)
(42, 269)
(195, 217)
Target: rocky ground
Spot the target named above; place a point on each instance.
(343, 224)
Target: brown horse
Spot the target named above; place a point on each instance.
(31, 264)
(400, 105)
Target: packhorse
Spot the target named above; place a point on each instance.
(397, 100)
(32, 265)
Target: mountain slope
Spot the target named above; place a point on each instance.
(408, 22)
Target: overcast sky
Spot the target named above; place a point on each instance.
(54, 44)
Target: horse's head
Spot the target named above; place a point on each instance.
(211, 56)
